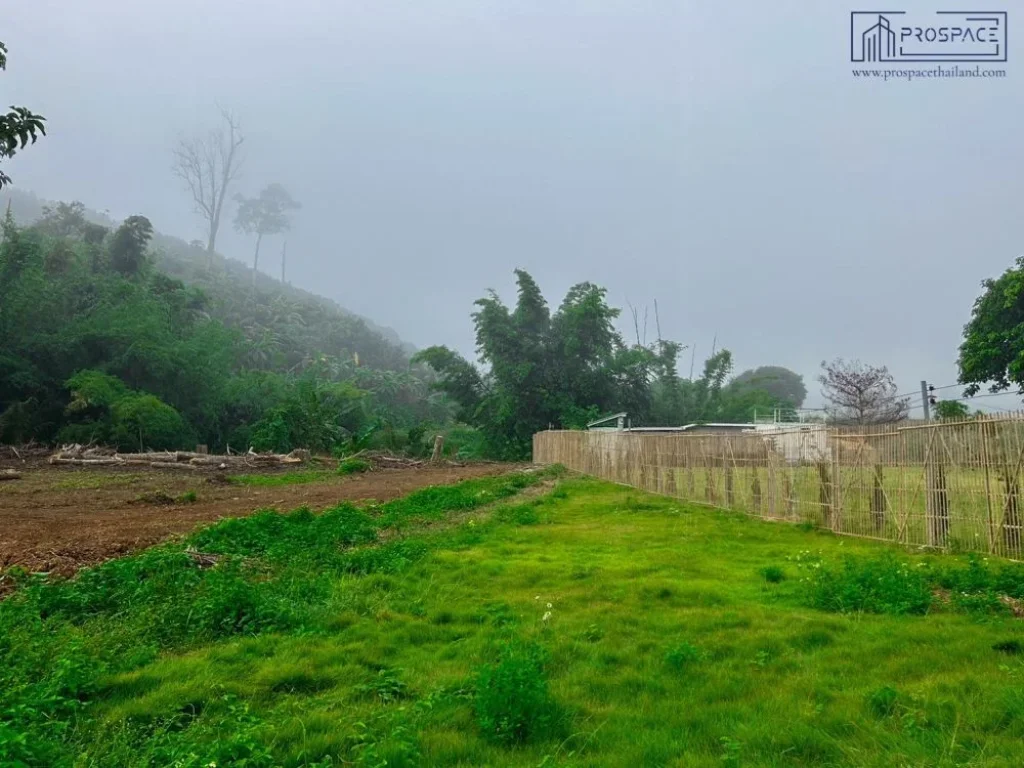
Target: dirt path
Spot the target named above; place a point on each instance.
(60, 520)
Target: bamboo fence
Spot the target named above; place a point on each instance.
(952, 486)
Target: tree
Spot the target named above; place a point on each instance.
(993, 348)
(208, 165)
(784, 385)
(861, 394)
(544, 369)
(18, 127)
(128, 246)
(263, 216)
(951, 410)
(63, 219)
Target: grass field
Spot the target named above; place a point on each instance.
(976, 504)
(583, 624)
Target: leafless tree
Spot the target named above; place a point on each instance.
(209, 164)
(861, 394)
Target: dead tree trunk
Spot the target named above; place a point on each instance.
(438, 449)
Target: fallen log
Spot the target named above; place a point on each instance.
(149, 456)
(92, 462)
(10, 474)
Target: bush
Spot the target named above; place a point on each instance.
(353, 465)
(884, 584)
(772, 574)
(107, 411)
(513, 705)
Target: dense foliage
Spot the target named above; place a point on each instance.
(993, 347)
(570, 367)
(781, 383)
(99, 343)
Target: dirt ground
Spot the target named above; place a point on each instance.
(57, 519)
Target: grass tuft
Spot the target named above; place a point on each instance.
(513, 704)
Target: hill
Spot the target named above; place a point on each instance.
(296, 322)
(112, 333)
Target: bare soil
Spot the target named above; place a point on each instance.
(57, 519)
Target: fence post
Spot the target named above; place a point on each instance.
(990, 522)
(878, 500)
(755, 493)
(937, 506)
(730, 498)
(1009, 525)
(837, 489)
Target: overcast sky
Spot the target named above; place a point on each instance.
(717, 157)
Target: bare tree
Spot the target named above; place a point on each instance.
(209, 164)
(861, 394)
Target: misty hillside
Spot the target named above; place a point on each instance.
(279, 320)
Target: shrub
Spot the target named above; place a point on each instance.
(772, 574)
(353, 465)
(513, 704)
(883, 584)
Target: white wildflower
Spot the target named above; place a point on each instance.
(546, 616)
(549, 605)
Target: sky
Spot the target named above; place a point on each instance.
(718, 158)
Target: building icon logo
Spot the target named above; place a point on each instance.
(961, 36)
(878, 42)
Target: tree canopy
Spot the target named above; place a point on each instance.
(781, 383)
(19, 127)
(993, 348)
(564, 369)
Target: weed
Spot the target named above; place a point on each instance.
(684, 655)
(883, 701)
(773, 574)
(387, 686)
(189, 497)
(882, 584)
(513, 705)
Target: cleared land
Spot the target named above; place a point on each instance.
(590, 625)
(57, 519)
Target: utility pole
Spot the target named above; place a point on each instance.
(924, 400)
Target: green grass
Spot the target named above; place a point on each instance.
(795, 493)
(591, 626)
(284, 478)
